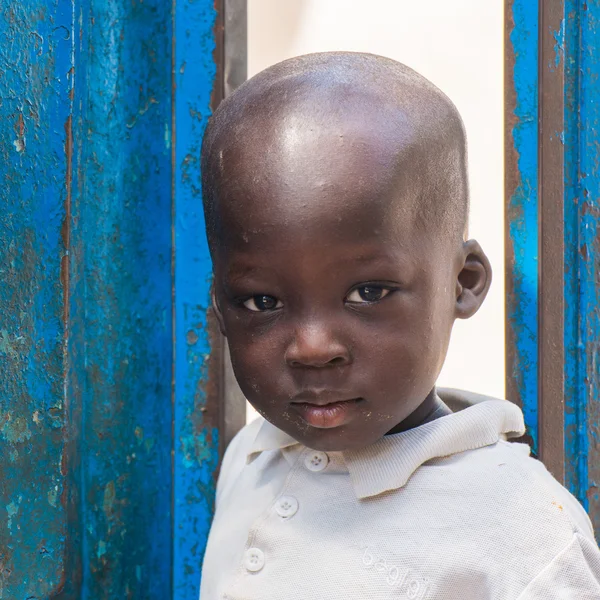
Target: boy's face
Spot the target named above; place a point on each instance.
(337, 307)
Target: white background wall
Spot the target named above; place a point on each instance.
(457, 44)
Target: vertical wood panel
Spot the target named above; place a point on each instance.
(551, 238)
(197, 86)
(110, 411)
(575, 411)
(120, 344)
(521, 216)
(35, 111)
(569, 225)
(586, 114)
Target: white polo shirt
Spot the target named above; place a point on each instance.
(448, 511)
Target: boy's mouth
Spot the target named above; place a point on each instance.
(325, 411)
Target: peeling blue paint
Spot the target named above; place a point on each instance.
(34, 107)
(110, 478)
(582, 240)
(589, 255)
(197, 441)
(120, 344)
(575, 417)
(576, 43)
(559, 37)
(522, 305)
(15, 429)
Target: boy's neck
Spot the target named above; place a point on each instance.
(430, 409)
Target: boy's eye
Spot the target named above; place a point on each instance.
(262, 303)
(367, 293)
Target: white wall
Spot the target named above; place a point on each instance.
(458, 45)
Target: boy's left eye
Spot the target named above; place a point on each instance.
(262, 303)
(367, 293)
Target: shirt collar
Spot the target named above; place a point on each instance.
(389, 462)
(268, 438)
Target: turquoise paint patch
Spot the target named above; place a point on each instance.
(101, 549)
(15, 429)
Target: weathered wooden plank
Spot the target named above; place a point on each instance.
(35, 113)
(120, 343)
(569, 219)
(551, 371)
(108, 452)
(521, 221)
(582, 217)
(198, 415)
(575, 414)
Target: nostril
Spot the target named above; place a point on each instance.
(317, 362)
(338, 361)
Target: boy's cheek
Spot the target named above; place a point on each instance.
(257, 369)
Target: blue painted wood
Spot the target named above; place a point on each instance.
(120, 343)
(108, 444)
(35, 109)
(582, 281)
(522, 211)
(575, 413)
(195, 421)
(577, 41)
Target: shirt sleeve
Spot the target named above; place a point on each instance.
(574, 574)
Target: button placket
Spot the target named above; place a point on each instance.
(316, 461)
(254, 559)
(286, 506)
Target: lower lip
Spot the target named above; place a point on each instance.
(328, 416)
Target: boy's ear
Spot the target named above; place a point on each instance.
(473, 280)
(217, 310)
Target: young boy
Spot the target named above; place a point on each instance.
(336, 201)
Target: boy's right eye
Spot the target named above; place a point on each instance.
(262, 303)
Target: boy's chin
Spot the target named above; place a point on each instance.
(336, 439)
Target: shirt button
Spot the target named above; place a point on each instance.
(286, 506)
(316, 461)
(254, 559)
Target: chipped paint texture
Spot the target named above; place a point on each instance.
(91, 505)
(577, 42)
(120, 342)
(35, 61)
(196, 437)
(582, 277)
(108, 483)
(522, 212)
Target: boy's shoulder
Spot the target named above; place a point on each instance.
(506, 476)
(495, 481)
(508, 466)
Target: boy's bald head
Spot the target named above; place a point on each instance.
(297, 122)
(335, 194)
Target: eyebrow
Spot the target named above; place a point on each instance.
(380, 259)
(238, 272)
(241, 271)
(370, 258)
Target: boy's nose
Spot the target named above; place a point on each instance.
(315, 346)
